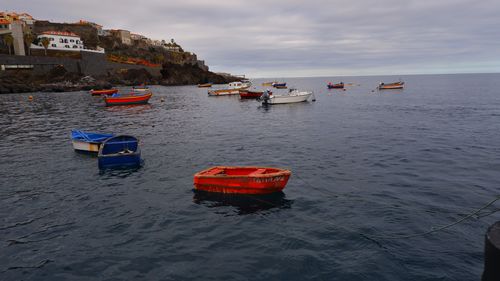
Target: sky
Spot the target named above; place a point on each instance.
(292, 38)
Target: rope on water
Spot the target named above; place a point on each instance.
(433, 229)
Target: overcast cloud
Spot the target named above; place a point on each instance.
(278, 38)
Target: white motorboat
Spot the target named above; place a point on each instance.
(292, 97)
(233, 89)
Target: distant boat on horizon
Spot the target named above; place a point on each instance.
(391, 86)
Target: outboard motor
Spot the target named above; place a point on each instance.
(265, 97)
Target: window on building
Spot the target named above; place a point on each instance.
(61, 40)
(77, 41)
(71, 40)
(66, 46)
(65, 40)
(75, 46)
(53, 45)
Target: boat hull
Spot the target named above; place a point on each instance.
(242, 184)
(130, 160)
(335, 86)
(226, 92)
(103, 92)
(87, 147)
(287, 99)
(250, 95)
(127, 100)
(391, 86)
(119, 151)
(208, 85)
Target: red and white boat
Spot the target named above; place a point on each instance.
(103, 92)
(242, 180)
(132, 98)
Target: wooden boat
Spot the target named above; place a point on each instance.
(389, 86)
(242, 180)
(206, 85)
(234, 89)
(119, 151)
(280, 87)
(247, 94)
(88, 142)
(335, 86)
(267, 84)
(128, 99)
(293, 96)
(276, 84)
(103, 92)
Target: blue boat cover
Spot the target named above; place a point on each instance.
(89, 137)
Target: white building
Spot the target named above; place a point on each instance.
(63, 41)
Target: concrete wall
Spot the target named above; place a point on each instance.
(93, 64)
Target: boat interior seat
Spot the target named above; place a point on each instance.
(215, 171)
(257, 172)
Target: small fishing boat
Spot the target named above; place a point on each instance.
(389, 86)
(119, 151)
(140, 89)
(293, 96)
(335, 86)
(242, 180)
(233, 89)
(206, 85)
(267, 84)
(127, 99)
(103, 92)
(86, 141)
(278, 85)
(247, 94)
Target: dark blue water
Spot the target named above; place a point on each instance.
(366, 165)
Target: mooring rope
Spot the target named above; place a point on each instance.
(392, 237)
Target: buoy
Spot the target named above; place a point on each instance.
(30, 97)
(492, 253)
(162, 99)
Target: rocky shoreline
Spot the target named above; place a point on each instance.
(59, 79)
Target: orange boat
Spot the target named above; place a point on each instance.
(242, 180)
(206, 85)
(129, 99)
(103, 92)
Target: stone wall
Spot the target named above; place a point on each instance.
(93, 64)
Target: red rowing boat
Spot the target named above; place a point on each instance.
(103, 92)
(246, 94)
(242, 180)
(131, 98)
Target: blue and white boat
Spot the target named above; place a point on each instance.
(86, 141)
(119, 151)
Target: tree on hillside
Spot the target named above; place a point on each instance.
(28, 39)
(9, 41)
(45, 43)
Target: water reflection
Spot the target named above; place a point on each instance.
(119, 172)
(244, 204)
(133, 108)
